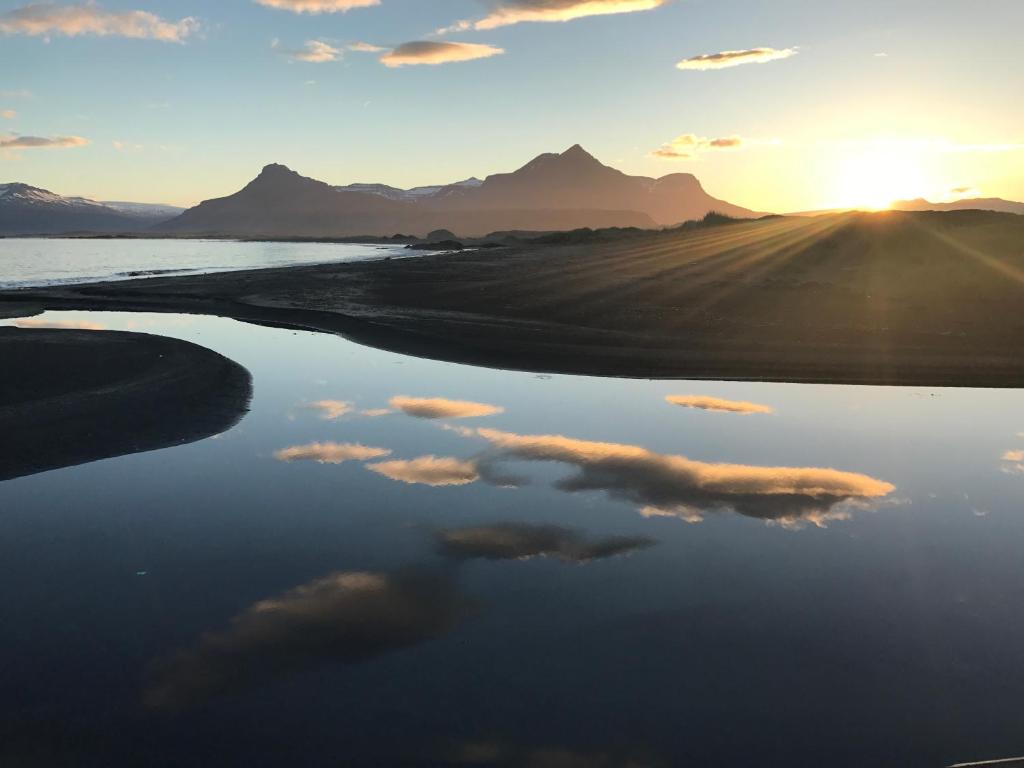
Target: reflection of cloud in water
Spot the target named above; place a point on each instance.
(67, 325)
(440, 408)
(330, 410)
(522, 541)
(717, 404)
(429, 470)
(345, 617)
(664, 484)
(330, 453)
(1013, 462)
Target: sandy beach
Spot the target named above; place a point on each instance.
(837, 299)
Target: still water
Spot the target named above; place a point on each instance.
(62, 261)
(393, 561)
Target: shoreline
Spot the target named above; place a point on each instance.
(858, 299)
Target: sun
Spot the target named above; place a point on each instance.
(878, 175)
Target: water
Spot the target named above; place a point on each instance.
(235, 602)
(55, 261)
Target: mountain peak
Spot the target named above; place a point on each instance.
(276, 169)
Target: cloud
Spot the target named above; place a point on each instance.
(366, 48)
(41, 142)
(429, 470)
(374, 413)
(318, 6)
(330, 453)
(717, 404)
(735, 58)
(313, 52)
(671, 485)
(70, 325)
(508, 12)
(8, 114)
(441, 408)
(1013, 462)
(428, 52)
(522, 541)
(47, 19)
(689, 145)
(330, 410)
(345, 617)
(18, 94)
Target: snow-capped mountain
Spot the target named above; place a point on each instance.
(408, 195)
(28, 210)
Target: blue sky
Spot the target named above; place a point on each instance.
(182, 121)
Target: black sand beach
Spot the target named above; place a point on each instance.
(925, 299)
(68, 397)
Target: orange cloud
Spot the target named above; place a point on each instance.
(330, 410)
(670, 485)
(510, 12)
(689, 145)
(46, 19)
(1013, 462)
(441, 408)
(313, 52)
(318, 6)
(735, 58)
(8, 114)
(330, 453)
(429, 470)
(717, 404)
(433, 53)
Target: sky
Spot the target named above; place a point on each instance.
(790, 105)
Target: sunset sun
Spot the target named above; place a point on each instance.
(876, 177)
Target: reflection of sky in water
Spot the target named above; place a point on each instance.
(553, 617)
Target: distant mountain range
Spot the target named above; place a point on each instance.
(27, 210)
(553, 192)
(971, 204)
(920, 204)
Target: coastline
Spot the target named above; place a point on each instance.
(840, 300)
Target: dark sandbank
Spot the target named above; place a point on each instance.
(68, 397)
(926, 299)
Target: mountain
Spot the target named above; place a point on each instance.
(409, 195)
(575, 179)
(554, 192)
(156, 211)
(28, 210)
(281, 203)
(969, 204)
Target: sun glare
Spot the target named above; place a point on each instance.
(877, 176)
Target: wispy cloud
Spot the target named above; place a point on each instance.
(717, 404)
(689, 145)
(1013, 462)
(366, 48)
(330, 453)
(442, 408)
(8, 114)
(313, 52)
(41, 142)
(432, 52)
(47, 19)
(727, 59)
(17, 94)
(318, 6)
(429, 470)
(508, 12)
(330, 410)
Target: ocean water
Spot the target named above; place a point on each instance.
(395, 561)
(61, 261)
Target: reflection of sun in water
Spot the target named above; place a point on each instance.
(879, 175)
